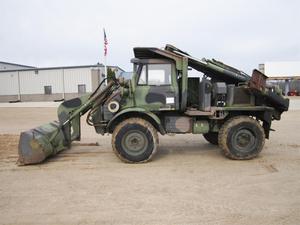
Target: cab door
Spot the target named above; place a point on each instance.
(157, 87)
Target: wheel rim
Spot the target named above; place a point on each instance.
(134, 142)
(244, 140)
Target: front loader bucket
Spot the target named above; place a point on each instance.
(37, 144)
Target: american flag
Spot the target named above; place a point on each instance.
(105, 43)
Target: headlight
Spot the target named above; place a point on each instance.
(113, 106)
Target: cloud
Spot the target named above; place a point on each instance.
(242, 33)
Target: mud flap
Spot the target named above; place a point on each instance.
(37, 144)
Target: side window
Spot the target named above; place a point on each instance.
(143, 77)
(156, 74)
(159, 74)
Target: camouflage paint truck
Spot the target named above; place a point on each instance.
(228, 107)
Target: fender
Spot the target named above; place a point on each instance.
(137, 112)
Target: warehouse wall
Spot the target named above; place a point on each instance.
(9, 88)
(33, 81)
(30, 84)
(9, 83)
(74, 77)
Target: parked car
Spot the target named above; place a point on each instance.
(293, 93)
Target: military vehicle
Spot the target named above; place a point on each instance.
(228, 107)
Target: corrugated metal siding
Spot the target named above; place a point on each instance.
(74, 77)
(9, 83)
(33, 83)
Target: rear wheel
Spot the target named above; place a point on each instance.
(241, 137)
(135, 140)
(211, 137)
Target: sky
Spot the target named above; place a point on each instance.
(241, 33)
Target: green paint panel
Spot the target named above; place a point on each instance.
(200, 127)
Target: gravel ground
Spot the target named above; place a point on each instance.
(188, 181)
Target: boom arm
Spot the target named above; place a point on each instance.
(212, 68)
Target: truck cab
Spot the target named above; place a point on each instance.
(156, 85)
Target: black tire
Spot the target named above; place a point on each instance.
(212, 137)
(135, 140)
(241, 137)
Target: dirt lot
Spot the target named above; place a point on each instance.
(188, 182)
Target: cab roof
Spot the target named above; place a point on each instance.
(211, 68)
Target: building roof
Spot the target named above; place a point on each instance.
(60, 67)
(15, 64)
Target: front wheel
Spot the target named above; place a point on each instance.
(134, 140)
(241, 137)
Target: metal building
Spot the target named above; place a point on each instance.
(285, 74)
(50, 84)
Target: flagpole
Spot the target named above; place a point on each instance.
(105, 55)
(105, 69)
